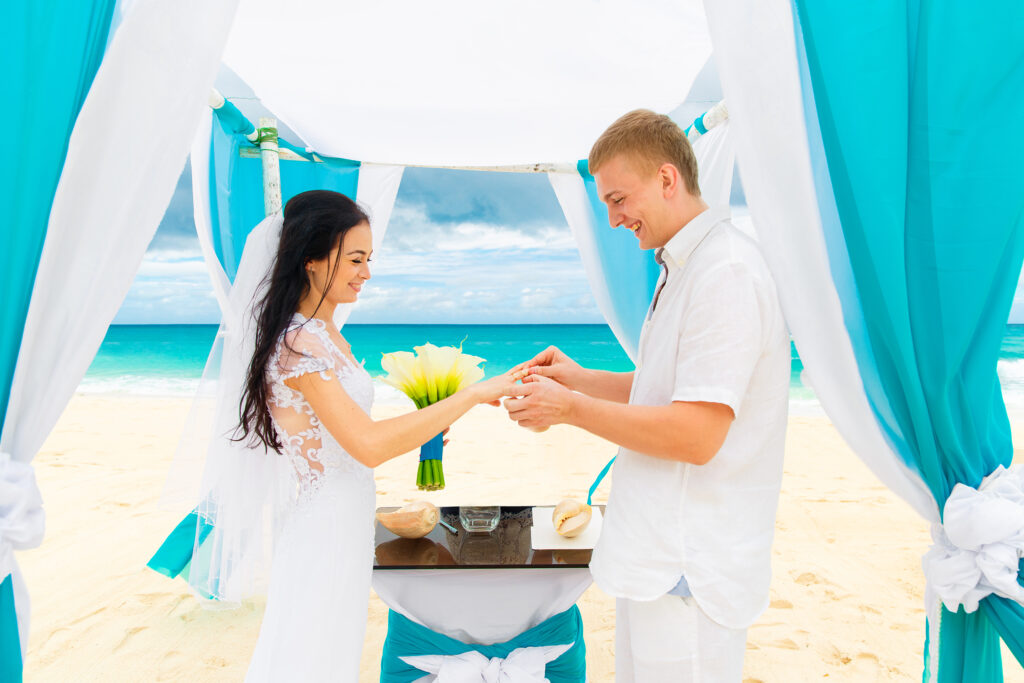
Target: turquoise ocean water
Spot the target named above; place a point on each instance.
(168, 360)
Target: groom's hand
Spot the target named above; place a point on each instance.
(539, 403)
(552, 363)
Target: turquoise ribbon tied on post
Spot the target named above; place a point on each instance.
(408, 640)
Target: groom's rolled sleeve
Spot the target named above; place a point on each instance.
(720, 338)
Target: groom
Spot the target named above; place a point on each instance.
(686, 542)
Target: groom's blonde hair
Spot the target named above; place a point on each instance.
(649, 140)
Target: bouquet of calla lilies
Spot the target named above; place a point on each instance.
(431, 374)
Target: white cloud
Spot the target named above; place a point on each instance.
(543, 299)
(487, 286)
(427, 271)
(174, 265)
(412, 229)
(171, 286)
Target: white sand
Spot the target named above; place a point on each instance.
(846, 595)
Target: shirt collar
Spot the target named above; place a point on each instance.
(678, 250)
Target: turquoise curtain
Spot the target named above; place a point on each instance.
(10, 643)
(630, 274)
(50, 58)
(236, 184)
(919, 106)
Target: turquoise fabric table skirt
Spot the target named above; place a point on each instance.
(406, 638)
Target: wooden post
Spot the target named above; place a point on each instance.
(271, 165)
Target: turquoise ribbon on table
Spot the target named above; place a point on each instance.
(406, 638)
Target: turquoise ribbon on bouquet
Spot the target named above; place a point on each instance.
(432, 449)
(10, 642)
(174, 555)
(406, 638)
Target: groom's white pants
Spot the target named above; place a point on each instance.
(671, 640)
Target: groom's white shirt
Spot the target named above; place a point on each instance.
(716, 335)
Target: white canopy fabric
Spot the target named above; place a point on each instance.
(463, 82)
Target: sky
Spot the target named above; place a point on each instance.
(461, 247)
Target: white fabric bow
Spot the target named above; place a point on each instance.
(22, 525)
(22, 520)
(523, 665)
(979, 544)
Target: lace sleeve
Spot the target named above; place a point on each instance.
(301, 352)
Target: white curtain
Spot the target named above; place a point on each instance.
(199, 157)
(376, 193)
(465, 82)
(572, 197)
(124, 156)
(757, 63)
(715, 152)
(716, 160)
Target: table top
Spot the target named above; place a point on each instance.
(507, 547)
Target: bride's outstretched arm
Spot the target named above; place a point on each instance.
(373, 442)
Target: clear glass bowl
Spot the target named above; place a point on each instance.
(479, 519)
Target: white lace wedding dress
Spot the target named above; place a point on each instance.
(315, 619)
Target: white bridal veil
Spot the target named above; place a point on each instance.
(243, 488)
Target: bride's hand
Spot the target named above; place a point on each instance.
(490, 391)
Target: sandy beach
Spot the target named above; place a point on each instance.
(846, 594)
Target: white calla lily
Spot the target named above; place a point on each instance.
(437, 364)
(432, 374)
(405, 374)
(465, 371)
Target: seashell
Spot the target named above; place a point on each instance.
(415, 520)
(571, 517)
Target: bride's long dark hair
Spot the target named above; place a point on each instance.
(315, 222)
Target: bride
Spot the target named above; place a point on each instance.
(307, 398)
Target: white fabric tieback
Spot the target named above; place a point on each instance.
(523, 665)
(979, 544)
(22, 521)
